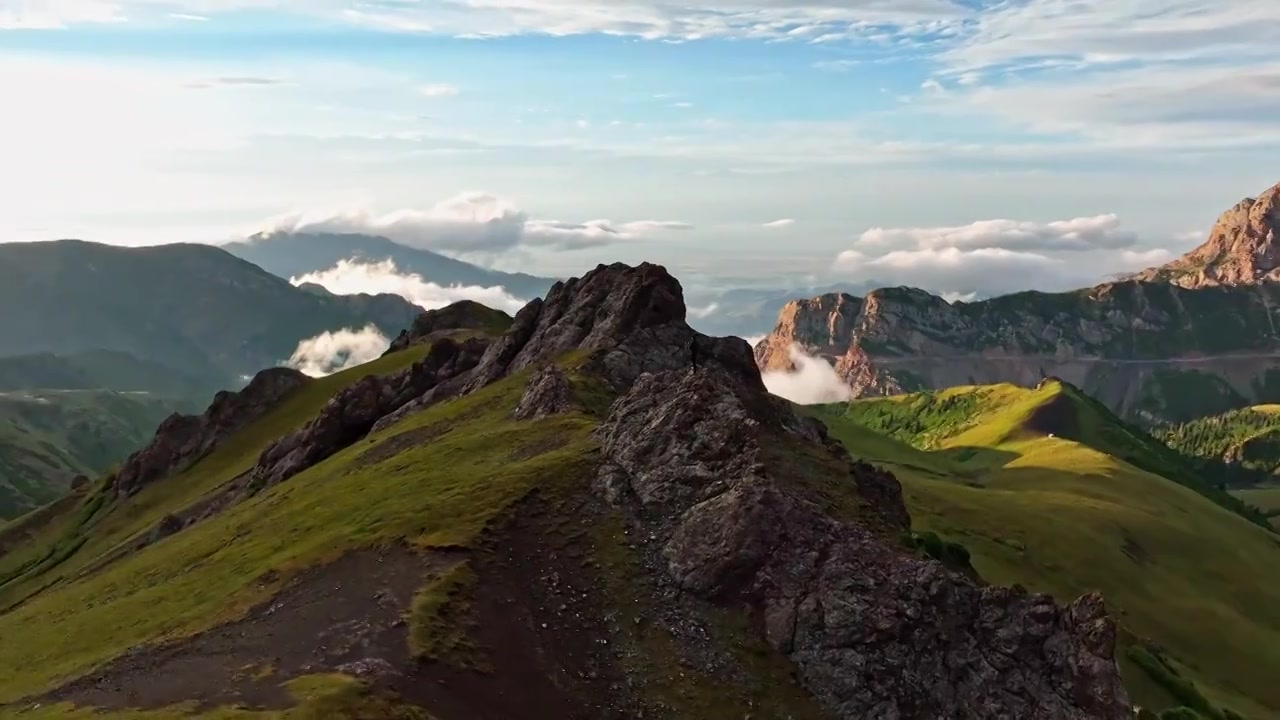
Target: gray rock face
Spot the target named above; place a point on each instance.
(353, 412)
(547, 393)
(874, 631)
(462, 315)
(631, 318)
(181, 440)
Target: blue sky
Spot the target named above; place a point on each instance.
(963, 146)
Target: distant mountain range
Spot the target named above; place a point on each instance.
(290, 255)
(195, 309)
(1194, 337)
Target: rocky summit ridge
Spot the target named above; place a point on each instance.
(707, 466)
(1243, 248)
(1191, 338)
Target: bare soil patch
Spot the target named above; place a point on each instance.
(343, 616)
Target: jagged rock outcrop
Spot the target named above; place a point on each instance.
(631, 319)
(874, 631)
(181, 440)
(354, 411)
(546, 393)
(1243, 248)
(462, 315)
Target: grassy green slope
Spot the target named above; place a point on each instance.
(436, 494)
(64, 618)
(1249, 437)
(1060, 516)
(98, 530)
(48, 437)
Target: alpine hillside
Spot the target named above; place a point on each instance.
(49, 438)
(549, 516)
(1047, 488)
(1195, 337)
(195, 309)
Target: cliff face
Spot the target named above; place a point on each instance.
(1243, 248)
(1193, 337)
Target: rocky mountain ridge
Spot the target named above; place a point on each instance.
(690, 460)
(1158, 347)
(1243, 248)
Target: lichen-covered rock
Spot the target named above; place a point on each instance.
(354, 411)
(181, 440)
(546, 393)
(874, 631)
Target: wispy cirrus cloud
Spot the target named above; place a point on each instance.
(810, 20)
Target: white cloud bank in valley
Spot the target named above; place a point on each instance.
(474, 222)
(352, 277)
(331, 352)
(813, 381)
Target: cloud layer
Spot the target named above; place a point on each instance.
(474, 222)
(351, 277)
(813, 381)
(331, 352)
(993, 257)
(1078, 235)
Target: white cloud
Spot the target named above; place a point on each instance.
(705, 311)
(812, 20)
(234, 81)
(955, 297)
(986, 271)
(439, 90)
(189, 17)
(57, 14)
(836, 65)
(1175, 108)
(1078, 235)
(813, 381)
(784, 222)
(472, 222)
(1108, 31)
(1142, 259)
(331, 352)
(351, 277)
(817, 20)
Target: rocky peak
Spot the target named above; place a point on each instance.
(826, 321)
(181, 440)
(462, 315)
(1243, 248)
(630, 319)
(874, 630)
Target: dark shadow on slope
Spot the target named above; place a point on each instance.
(345, 616)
